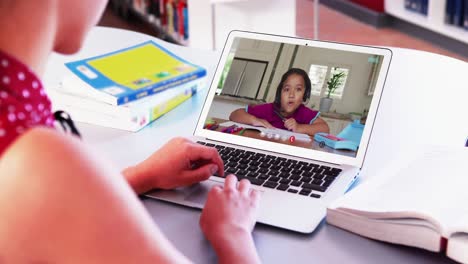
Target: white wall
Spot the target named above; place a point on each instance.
(267, 16)
(222, 108)
(262, 51)
(210, 21)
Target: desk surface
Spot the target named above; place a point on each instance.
(423, 102)
(311, 143)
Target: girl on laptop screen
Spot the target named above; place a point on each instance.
(287, 111)
(59, 201)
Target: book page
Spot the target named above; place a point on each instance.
(457, 246)
(430, 184)
(460, 224)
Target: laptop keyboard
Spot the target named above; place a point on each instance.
(298, 177)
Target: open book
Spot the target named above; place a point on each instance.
(421, 201)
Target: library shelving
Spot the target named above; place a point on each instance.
(435, 20)
(206, 24)
(169, 18)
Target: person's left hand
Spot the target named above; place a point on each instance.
(291, 124)
(180, 162)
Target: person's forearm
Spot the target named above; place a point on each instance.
(312, 129)
(241, 116)
(238, 247)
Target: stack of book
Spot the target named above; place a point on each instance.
(127, 89)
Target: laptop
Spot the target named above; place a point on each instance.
(297, 174)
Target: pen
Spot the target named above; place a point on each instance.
(279, 115)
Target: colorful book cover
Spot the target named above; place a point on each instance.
(180, 15)
(133, 73)
(175, 18)
(186, 25)
(170, 17)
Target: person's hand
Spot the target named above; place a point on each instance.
(261, 122)
(228, 218)
(291, 124)
(180, 162)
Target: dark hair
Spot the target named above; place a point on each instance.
(285, 76)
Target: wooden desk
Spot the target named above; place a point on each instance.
(312, 144)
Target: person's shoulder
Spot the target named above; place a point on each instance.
(306, 115)
(40, 144)
(261, 107)
(304, 110)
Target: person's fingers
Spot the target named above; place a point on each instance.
(200, 174)
(217, 188)
(230, 183)
(196, 152)
(255, 197)
(244, 186)
(179, 140)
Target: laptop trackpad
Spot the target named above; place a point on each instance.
(199, 192)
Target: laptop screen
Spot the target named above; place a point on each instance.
(311, 97)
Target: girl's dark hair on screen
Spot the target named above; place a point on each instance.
(285, 76)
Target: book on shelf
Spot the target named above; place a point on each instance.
(170, 15)
(465, 16)
(458, 13)
(449, 9)
(419, 201)
(132, 116)
(424, 7)
(418, 6)
(132, 73)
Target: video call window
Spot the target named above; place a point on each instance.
(309, 97)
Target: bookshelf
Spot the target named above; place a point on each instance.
(168, 18)
(435, 19)
(210, 21)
